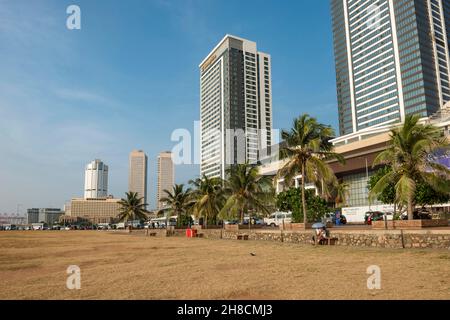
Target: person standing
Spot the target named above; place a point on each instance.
(338, 218)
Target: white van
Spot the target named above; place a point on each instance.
(276, 219)
(120, 225)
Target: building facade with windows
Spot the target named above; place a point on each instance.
(392, 59)
(96, 180)
(137, 176)
(166, 177)
(102, 210)
(235, 105)
(359, 152)
(45, 215)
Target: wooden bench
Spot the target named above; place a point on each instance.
(329, 241)
(152, 234)
(242, 237)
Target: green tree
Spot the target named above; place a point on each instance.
(425, 195)
(387, 195)
(290, 200)
(208, 198)
(246, 190)
(307, 146)
(179, 203)
(409, 155)
(132, 208)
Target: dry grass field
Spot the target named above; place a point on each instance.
(122, 266)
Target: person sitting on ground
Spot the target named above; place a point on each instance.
(320, 235)
(316, 235)
(323, 236)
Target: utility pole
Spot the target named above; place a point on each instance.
(367, 177)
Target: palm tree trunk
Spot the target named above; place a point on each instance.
(305, 220)
(410, 209)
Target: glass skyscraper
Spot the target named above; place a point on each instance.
(392, 59)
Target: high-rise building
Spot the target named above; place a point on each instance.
(137, 178)
(96, 180)
(166, 176)
(392, 59)
(235, 105)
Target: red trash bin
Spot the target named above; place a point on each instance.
(194, 233)
(188, 233)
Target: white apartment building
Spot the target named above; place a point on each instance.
(235, 105)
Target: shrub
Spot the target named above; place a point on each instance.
(291, 200)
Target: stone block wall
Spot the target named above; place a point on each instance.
(413, 224)
(356, 238)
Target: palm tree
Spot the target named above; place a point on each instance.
(307, 146)
(208, 197)
(132, 207)
(178, 201)
(342, 192)
(410, 155)
(246, 190)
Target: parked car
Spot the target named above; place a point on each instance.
(371, 216)
(277, 218)
(231, 222)
(418, 215)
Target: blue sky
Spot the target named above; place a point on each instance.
(129, 77)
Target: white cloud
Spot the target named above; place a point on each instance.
(86, 96)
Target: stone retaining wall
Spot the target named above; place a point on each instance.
(359, 238)
(410, 224)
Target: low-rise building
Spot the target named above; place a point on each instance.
(104, 210)
(359, 151)
(45, 215)
(12, 219)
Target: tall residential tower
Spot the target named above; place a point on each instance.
(137, 177)
(392, 59)
(235, 105)
(96, 180)
(166, 176)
